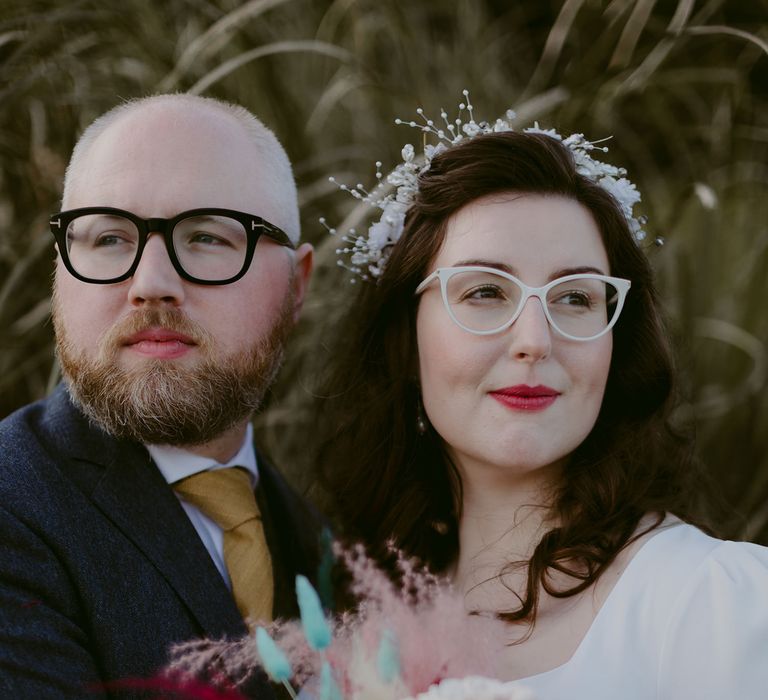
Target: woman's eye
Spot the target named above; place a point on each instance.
(487, 291)
(574, 298)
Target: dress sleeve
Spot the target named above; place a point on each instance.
(715, 645)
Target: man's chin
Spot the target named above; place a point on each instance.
(158, 402)
(187, 396)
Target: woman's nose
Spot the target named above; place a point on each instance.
(530, 336)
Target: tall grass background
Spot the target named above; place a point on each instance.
(680, 85)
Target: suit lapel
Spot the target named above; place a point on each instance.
(136, 498)
(123, 482)
(293, 530)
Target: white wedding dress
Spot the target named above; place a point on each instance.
(687, 620)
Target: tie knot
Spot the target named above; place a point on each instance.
(224, 495)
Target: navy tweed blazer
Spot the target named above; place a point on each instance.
(100, 568)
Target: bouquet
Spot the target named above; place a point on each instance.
(407, 641)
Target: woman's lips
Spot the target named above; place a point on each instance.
(159, 343)
(526, 398)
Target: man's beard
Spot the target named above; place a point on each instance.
(159, 401)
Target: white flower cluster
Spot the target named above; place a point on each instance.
(475, 688)
(366, 254)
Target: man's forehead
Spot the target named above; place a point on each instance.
(158, 158)
(167, 126)
(203, 153)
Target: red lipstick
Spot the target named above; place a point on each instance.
(159, 343)
(522, 397)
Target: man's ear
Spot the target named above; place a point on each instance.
(304, 257)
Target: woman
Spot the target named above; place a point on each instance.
(500, 409)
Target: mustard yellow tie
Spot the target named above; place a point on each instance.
(226, 497)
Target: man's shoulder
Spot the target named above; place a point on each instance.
(277, 490)
(24, 431)
(37, 442)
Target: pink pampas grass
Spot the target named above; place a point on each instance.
(402, 640)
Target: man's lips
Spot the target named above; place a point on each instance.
(522, 397)
(159, 342)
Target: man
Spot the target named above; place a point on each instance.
(178, 276)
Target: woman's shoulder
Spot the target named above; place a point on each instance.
(686, 613)
(679, 570)
(713, 570)
(688, 552)
(677, 558)
(716, 626)
(695, 609)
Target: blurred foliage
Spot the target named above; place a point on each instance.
(680, 84)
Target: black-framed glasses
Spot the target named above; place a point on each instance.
(484, 300)
(103, 245)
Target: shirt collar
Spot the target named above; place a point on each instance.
(176, 464)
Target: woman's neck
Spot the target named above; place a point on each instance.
(504, 516)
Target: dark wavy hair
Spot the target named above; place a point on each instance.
(388, 483)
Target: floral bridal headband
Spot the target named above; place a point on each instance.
(365, 255)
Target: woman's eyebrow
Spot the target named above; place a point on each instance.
(563, 272)
(486, 263)
(583, 270)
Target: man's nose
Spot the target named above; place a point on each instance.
(155, 279)
(530, 336)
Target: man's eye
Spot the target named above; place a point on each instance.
(110, 240)
(206, 239)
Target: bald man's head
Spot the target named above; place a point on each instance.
(173, 336)
(274, 196)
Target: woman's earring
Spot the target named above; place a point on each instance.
(440, 527)
(421, 419)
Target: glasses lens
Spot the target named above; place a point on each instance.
(482, 301)
(101, 246)
(210, 248)
(582, 307)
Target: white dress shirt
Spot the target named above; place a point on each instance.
(176, 464)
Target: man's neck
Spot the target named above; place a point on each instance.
(224, 447)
